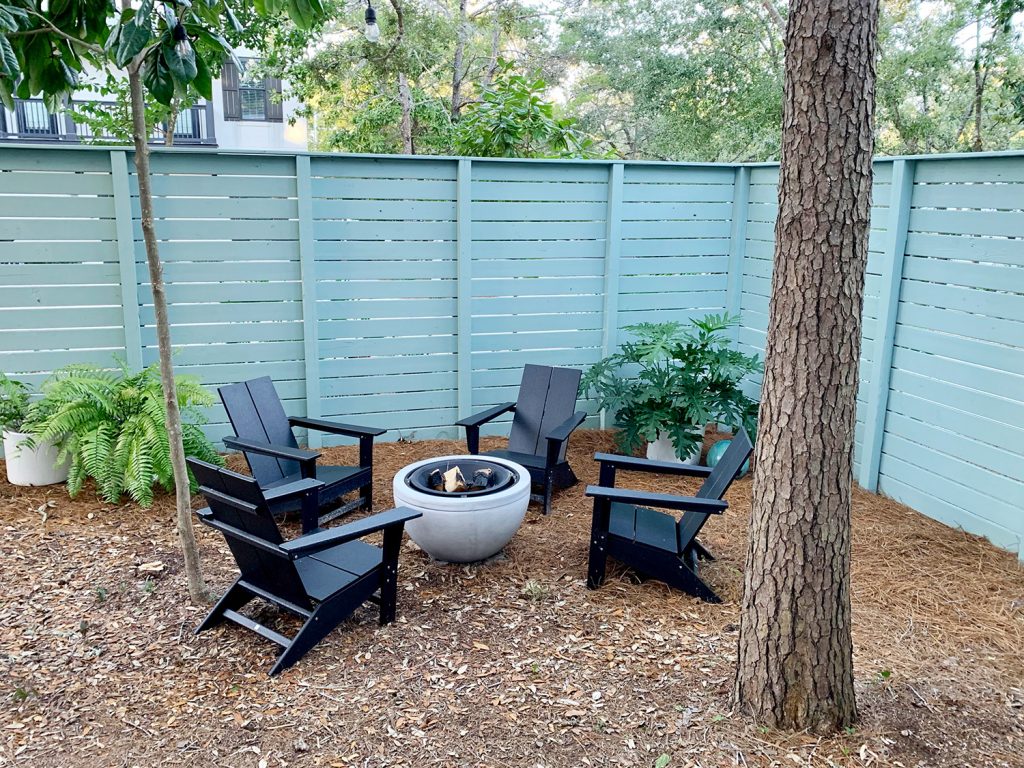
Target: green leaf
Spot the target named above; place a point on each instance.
(182, 66)
(135, 35)
(203, 82)
(8, 61)
(662, 761)
(157, 79)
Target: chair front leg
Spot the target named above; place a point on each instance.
(236, 597)
(310, 510)
(366, 461)
(389, 573)
(473, 439)
(598, 543)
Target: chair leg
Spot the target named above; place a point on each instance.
(232, 600)
(702, 553)
(688, 581)
(366, 492)
(549, 482)
(389, 573)
(596, 565)
(324, 620)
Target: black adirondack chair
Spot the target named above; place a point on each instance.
(542, 422)
(654, 543)
(264, 433)
(320, 577)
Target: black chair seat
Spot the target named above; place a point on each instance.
(337, 482)
(648, 527)
(326, 572)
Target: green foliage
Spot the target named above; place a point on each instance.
(512, 119)
(13, 403)
(112, 426)
(176, 44)
(674, 379)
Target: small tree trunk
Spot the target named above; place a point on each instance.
(196, 585)
(457, 64)
(405, 98)
(979, 88)
(492, 62)
(172, 123)
(795, 666)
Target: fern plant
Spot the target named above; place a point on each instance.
(13, 403)
(112, 427)
(674, 379)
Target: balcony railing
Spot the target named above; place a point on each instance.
(31, 121)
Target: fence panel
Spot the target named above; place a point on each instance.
(60, 279)
(343, 277)
(953, 445)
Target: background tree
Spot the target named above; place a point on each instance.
(795, 665)
(165, 48)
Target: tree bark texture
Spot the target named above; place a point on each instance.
(196, 586)
(405, 99)
(458, 68)
(795, 666)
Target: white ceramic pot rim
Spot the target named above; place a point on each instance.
(468, 504)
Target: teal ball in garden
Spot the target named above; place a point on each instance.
(717, 451)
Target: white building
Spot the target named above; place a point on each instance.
(245, 113)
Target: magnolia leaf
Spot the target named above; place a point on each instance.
(181, 64)
(8, 61)
(133, 38)
(157, 79)
(203, 81)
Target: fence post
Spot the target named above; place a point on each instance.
(307, 272)
(464, 285)
(737, 246)
(612, 256)
(126, 259)
(877, 401)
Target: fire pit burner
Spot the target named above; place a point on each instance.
(477, 477)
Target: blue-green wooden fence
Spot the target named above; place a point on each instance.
(405, 292)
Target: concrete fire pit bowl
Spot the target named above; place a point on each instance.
(466, 526)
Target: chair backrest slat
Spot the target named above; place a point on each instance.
(547, 398)
(256, 413)
(715, 485)
(272, 572)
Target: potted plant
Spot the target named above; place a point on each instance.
(111, 427)
(665, 384)
(29, 461)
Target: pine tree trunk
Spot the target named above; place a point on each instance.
(196, 585)
(795, 667)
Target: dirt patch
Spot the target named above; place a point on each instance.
(513, 663)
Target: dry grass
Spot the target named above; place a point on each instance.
(510, 663)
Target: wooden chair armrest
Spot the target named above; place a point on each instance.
(268, 449)
(335, 427)
(562, 432)
(484, 416)
(315, 542)
(633, 464)
(287, 491)
(663, 500)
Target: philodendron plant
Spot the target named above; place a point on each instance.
(673, 379)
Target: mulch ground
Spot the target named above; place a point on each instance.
(508, 663)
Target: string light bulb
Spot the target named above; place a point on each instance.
(372, 31)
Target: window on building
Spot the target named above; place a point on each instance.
(249, 97)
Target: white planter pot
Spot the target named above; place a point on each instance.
(32, 466)
(663, 450)
(464, 529)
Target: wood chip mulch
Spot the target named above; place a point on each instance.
(507, 663)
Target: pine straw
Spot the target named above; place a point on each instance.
(508, 663)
